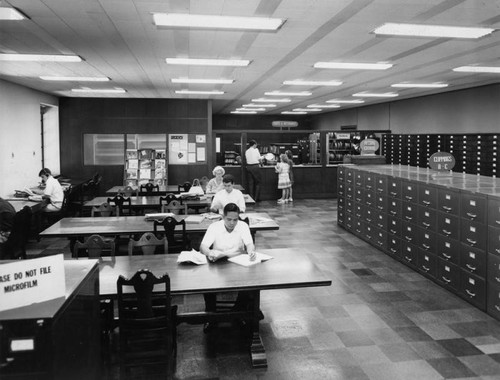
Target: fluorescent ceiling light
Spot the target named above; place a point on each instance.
(420, 85)
(76, 79)
(216, 22)
(293, 113)
(259, 105)
(192, 92)
(353, 65)
(340, 101)
(251, 109)
(284, 93)
(299, 82)
(11, 14)
(323, 106)
(307, 109)
(376, 95)
(478, 69)
(40, 57)
(267, 100)
(100, 90)
(202, 81)
(244, 112)
(207, 62)
(438, 31)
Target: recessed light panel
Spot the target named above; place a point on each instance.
(192, 92)
(294, 113)
(76, 79)
(40, 58)
(340, 101)
(323, 106)
(271, 100)
(259, 105)
(244, 112)
(299, 82)
(376, 94)
(207, 62)
(352, 65)
(436, 31)
(11, 14)
(202, 81)
(100, 90)
(284, 93)
(419, 85)
(478, 69)
(185, 20)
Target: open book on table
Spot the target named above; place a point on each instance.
(244, 259)
(192, 256)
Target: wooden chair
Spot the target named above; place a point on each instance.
(175, 207)
(149, 244)
(149, 189)
(15, 246)
(128, 191)
(147, 324)
(53, 217)
(184, 187)
(104, 209)
(123, 205)
(167, 199)
(176, 243)
(94, 247)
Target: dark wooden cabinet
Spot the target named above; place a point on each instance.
(445, 227)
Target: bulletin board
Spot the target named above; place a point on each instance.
(187, 149)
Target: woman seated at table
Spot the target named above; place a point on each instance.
(53, 191)
(227, 238)
(216, 184)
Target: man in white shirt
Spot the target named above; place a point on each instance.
(53, 191)
(227, 238)
(253, 162)
(228, 195)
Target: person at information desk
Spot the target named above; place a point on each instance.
(216, 184)
(7, 214)
(228, 195)
(254, 160)
(53, 191)
(227, 238)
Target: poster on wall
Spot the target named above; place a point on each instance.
(178, 149)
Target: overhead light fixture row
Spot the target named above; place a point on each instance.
(193, 92)
(323, 106)
(435, 31)
(271, 100)
(299, 82)
(419, 85)
(202, 81)
(294, 113)
(11, 14)
(251, 109)
(285, 93)
(307, 109)
(75, 79)
(353, 65)
(100, 90)
(207, 62)
(185, 20)
(478, 69)
(40, 58)
(244, 112)
(340, 101)
(376, 94)
(259, 105)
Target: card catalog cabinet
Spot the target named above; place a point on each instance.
(446, 230)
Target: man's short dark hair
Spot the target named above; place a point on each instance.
(231, 207)
(228, 178)
(45, 171)
(252, 142)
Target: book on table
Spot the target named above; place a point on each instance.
(244, 259)
(192, 256)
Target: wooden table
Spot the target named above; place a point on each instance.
(151, 202)
(289, 268)
(19, 204)
(173, 189)
(122, 225)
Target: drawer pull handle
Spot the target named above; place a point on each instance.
(393, 212)
(447, 257)
(358, 231)
(446, 232)
(471, 242)
(497, 221)
(498, 279)
(497, 249)
(470, 267)
(427, 247)
(447, 209)
(408, 238)
(392, 250)
(446, 279)
(426, 225)
(368, 187)
(380, 207)
(427, 203)
(497, 307)
(368, 237)
(368, 220)
(408, 217)
(380, 225)
(472, 216)
(470, 293)
(358, 215)
(425, 268)
(408, 197)
(392, 232)
(408, 259)
(393, 193)
(369, 203)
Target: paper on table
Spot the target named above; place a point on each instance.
(35, 198)
(194, 219)
(158, 216)
(244, 259)
(192, 256)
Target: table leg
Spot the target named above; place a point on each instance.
(257, 350)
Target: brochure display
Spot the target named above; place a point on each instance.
(145, 165)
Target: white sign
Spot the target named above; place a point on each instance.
(25, 282)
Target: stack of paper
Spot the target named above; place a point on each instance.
(192, 256)
(194, 219)
(244, 259)
(158, 216)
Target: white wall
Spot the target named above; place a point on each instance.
(20, 140)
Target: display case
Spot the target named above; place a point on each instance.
(343, 144)
(145, 160)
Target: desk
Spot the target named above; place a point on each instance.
(173, 189)
(123, 225)
(288, 269)
(148, 202)
(19, 204)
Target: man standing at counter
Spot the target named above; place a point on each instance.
(253, 159)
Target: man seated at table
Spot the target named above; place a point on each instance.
(227, 238)
(53, 191)
(228, 195)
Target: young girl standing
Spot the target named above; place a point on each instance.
(290, 174)
(283, 168)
